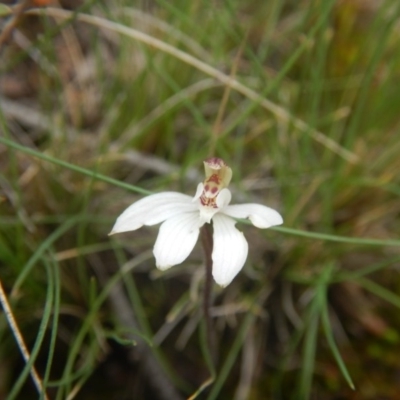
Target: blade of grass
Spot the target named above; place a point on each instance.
(231, 357)
(92, 356)
(37, 255)
(371, 68)
(156, 372)
(380, 291)
(334, 238)
(309, 348)
(72, 167)
(278, 388)
(5, 10)
(278, 111)
(144, 324)
(137, 128)
(204, 344)
(331, 341)
(348, 276)
(88, 321)
(310, 336)
(54, 326)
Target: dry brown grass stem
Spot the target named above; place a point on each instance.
(217, 128)
(144, 18)
(18, 11)
(278, 111)
(20, 340)
(164, 107)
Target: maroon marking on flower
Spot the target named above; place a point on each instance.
(214, 178)
(215, 162)
(207, 201)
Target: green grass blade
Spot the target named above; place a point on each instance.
(54, 326)
(336, 238)
(41, 249)
(332, 345)
(68, 374)
(380, 291)
(231, 357)
(39, 338)
(354, 275)
(205, 349)
(72, 167)
(309, 349)
(4, 10)
(144, 325)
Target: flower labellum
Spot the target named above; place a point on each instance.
(183, 216)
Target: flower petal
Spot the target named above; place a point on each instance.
(176, 239)
(199, 191)
(224, 198)
(230, 250)
(152, 210)
(261, 216)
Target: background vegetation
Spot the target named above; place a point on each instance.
(105, 101)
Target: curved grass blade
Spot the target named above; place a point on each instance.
(40, 250)
(380, 291)
(68, 374)
(332, 345)
(231, 357)
(310, 344)
(335, 238)
(72, 167)
(54, 326)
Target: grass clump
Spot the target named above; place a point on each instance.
(105, 102)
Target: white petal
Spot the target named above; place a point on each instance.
(199, 191)
(176, 239)
(207, 213)
(224, 198)
(261, 216)
(230, 250)
(152, 210)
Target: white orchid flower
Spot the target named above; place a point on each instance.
(183, 216)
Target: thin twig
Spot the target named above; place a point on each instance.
(206, 240)
(20, 340)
